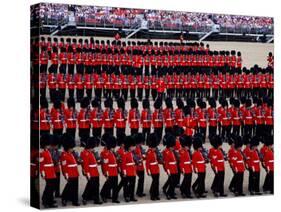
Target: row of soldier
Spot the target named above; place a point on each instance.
(131, 159)
(190, 86)
(238, 116)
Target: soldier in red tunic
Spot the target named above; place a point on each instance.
(47, 171)
(254, 166)
(129, 169)
(108, 116)
(185, 165)
(152, 166)
(268, 164)
(109, 169)
(69, 167)
(199, 166)
(90, 164)
(84, 121)
(70, 117)
(238, 165)
(134, 117)
(157, 119)
(170, 166)
(146, 119)
(212, 117)
(120, 118)
(216, 157)
(96, 118)
(139, 155)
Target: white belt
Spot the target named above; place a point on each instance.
(249, 117)
(107, 119)
(256, 161)
(154, 163)
(225, 118)
(202, 119)
(172, 163)
(130, 164)
(239, 161)
(180, 119)
(120, 119)
(112, 165)
(158, 119)
(134, 120)
(259, 116)
(202, 161)
(79, 83)
(187, 162)
(42, 121)
(72, 165)
(146, 120)
(84, 120)
(49, 165)
(270, 161)
(93, 165)
(236, 118)
(269, 117)
(213, 119)
(169, 119)
(57, 120)
(71, 119)
(220, 161)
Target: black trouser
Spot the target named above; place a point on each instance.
(158, 132)
(145, 132)
(52, 94)
(71, 69)
(48, 193)
(202, 131)
(62, 68)
(154, 188)
(140, 182)
(259, 130)
(218, 183)
(248, 129)
(199, 185)
(89, 93)
(134, 131)
(43, 68)
(84, 134)
(170, 185)
(62, 93)
(129, 187)
(92, 188)
(71, 131)
(71, 93)
(212, 131)
(140, 91)
(236, 129)
(70, 191)
(121, 183)
(238, 186)
(125, 93)
(250, 182)
(110, 184)
(268, 182)
(97, 132)
(147, 92)
(225, 133)
(120, 132)
(132, 93)
(154, 94)
(255, 182)
(98, 92)
(186, 184)
(79, 94)
(57, 131)
(116, 93)
(57, 186)
(108, 130)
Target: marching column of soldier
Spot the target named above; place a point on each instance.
(125, 159)
(223, 103)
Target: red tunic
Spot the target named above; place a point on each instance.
(89, 163)
(69, 165)
(170, 162)
(47, 168)
(185, 161)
